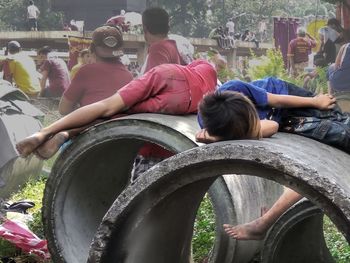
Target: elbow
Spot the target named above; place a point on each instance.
(64, 110)
(269, 128)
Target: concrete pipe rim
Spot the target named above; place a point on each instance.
(69, 156)
(86, 142)
(285, 171)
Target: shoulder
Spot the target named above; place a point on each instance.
(166, 44)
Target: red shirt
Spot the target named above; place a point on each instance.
(160, 52)
(163, 52)
(169, 89)
(58, 75)
(97, 81)
(300, 48)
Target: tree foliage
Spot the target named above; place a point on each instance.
(197, 17)
(13, 15)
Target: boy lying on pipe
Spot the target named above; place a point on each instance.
(240, 110)
(168, 89)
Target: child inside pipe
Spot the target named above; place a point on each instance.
(167, 89)
(240, 110)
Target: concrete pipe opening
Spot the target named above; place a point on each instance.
(90, 174)
(152, 221)
(300, 227)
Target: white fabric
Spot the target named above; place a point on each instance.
(329, 33)
(231, 26)
(33, 11)
(184, 46)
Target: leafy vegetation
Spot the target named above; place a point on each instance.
(273, 65)
(13, 15)
(336, 242)
(204, 231)
(197, 18)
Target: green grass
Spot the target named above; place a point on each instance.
(336, 242)
(204, 230)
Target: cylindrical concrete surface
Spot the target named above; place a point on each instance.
(300, 228)
(91, 173)
(152, 221)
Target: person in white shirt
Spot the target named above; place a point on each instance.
(32, 15)
(230, 28)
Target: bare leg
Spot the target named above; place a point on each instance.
(257, 229)
(77, 119)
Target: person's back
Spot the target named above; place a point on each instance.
(163, 52)
(32, 16)
(338, 74)
(300, 48)
(24, 73)
(97, 81)
(101, 79)
(161, 49)
(33, 11)
(230, 25)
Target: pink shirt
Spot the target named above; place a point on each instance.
(163, 52)
(170, 88)
(97, 81)
(58, 75)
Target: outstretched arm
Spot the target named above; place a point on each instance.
(87, 114)
(77, 119)
(267, 129)
(322, 101)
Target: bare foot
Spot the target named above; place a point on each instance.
(203, 136)
(51, 146)
(254, 230)
(29, 144)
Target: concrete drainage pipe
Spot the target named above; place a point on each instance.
(152, 221)
(91, 173)
(299, 228)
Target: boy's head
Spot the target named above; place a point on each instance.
(43, 53)
(229, 115)
(155, 21)
(13, 47)
(107, 43)
(301, 32)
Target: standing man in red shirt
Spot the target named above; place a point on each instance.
(162, 50)
(299, 50)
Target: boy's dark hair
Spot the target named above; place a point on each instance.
(31, 2)
(156, 21)
(228, 115)
(44, 50)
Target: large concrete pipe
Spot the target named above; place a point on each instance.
(18, 119)
(298, 229)
(90, 174)
(152, 221)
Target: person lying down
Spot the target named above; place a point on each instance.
(240, 110)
